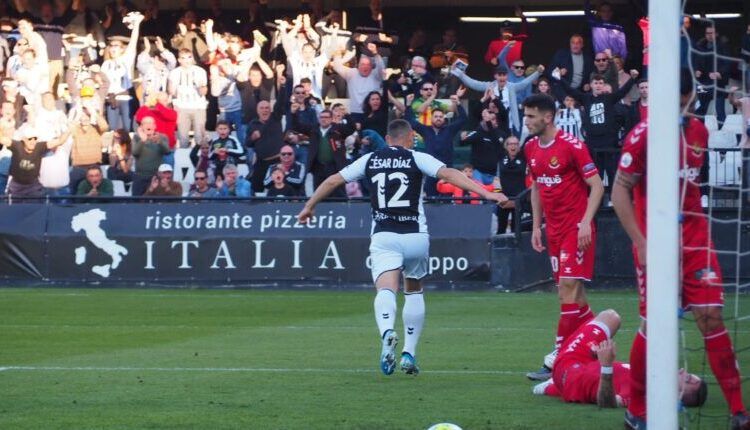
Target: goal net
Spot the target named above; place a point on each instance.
(710, 50)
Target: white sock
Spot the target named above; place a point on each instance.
(385, 310)
(413, 316)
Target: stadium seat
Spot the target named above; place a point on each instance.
(719, 139)
(724, 168)
(104, 168)
(183, 167)
(185, 188)
(711, 123)
(242, 170)
(733, 124)
(119, 189)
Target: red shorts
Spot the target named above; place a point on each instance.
(702, 283)
(567, 261)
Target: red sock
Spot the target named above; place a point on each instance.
(585, 314)
(568, 322)
(637, 404)
(724, 365)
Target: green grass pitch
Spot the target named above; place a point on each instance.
(267, 359)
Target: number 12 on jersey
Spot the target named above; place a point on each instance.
(381, 182)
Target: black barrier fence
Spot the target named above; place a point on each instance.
(224, 242)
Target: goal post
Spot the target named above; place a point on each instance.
(663, 204)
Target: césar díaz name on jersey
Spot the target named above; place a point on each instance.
(390, 163)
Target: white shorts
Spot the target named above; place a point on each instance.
(407, 252)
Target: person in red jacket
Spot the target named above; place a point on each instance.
(166, 117)
(507, 34)
(444, 187)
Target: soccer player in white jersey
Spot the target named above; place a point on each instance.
(399, 245)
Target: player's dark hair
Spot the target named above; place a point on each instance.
(541, 102)
(398, 129)
(696, 398)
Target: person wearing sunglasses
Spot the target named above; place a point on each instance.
(604, 64)
(294, 171)
(27, 153)
(201, 187)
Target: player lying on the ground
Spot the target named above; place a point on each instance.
(586, 371)
(399, 245)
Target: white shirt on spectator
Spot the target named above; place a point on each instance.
(13, 65)
(224, 87)
(54, 172)
(359, 86)
(119, 75)
(153, 78)
(312, 70)
(50, 123)
(32, 83)
(37, 43)
(187, 81)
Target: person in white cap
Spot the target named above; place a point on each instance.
(162, 184)
(27, 159)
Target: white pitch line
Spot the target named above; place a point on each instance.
(238, 370)
(292, 328)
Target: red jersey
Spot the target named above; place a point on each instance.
(693, 144)
(497, 45)
(577, 370)
(560, 170)
(701, 272)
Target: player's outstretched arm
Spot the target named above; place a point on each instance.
(460, 180)
(605, 397)
(324, 190)
(622, 201)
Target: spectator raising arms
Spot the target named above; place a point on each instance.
(265, 135)
(188, 86)
(118, 70)
(439, 137)
(367, 77)
(506, 92)
(27, 160)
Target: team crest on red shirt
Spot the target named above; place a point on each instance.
(626, 160)
(554, 163)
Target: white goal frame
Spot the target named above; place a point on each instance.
(663, 258)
